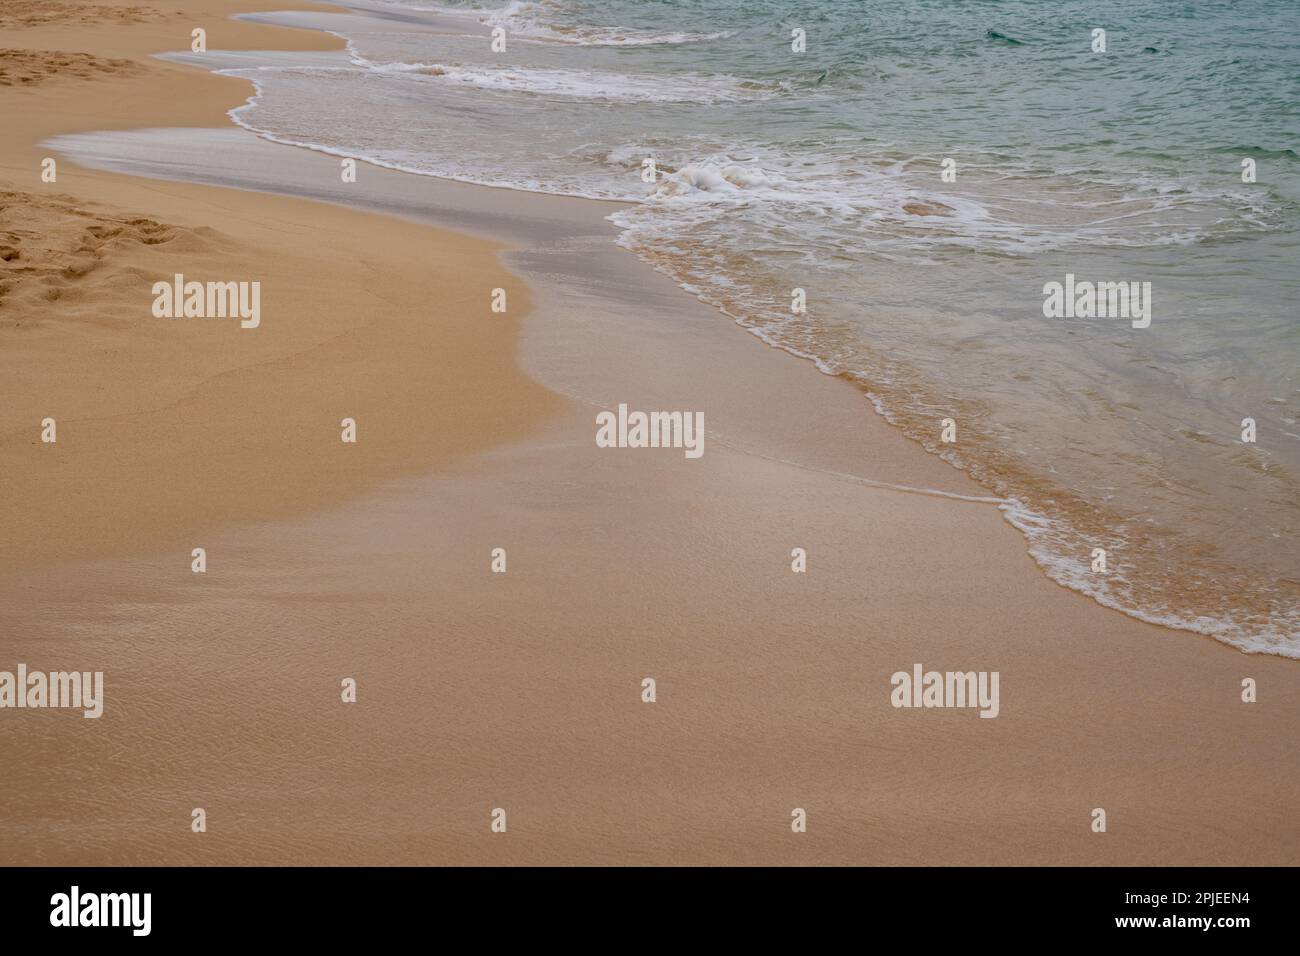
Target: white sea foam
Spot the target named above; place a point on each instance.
(585, 84)
(529, 19)
(1045, 536)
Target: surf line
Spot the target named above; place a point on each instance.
(872, 482)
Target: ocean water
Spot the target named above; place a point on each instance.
(822, 170)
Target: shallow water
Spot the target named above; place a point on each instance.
(822, 171)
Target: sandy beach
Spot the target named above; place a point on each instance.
(373, 560)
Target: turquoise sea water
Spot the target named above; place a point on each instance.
(822, 170)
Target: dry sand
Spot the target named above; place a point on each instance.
(517, 690)
(188, 425)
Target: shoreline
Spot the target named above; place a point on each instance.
(190, 158)
(521, 690)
